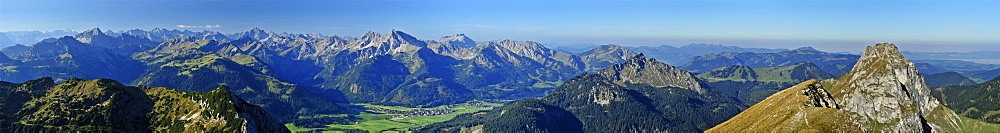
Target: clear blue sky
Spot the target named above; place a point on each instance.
(827, 25)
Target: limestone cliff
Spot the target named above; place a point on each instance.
(885, 93)
(882, 93)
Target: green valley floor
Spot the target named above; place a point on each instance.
(377, 118)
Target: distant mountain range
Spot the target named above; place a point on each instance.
(11, 38)
(750, 85)
(836, 64)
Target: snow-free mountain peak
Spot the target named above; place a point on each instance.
(806, 49)
(93, 32)
(642, 70)
(458, 40)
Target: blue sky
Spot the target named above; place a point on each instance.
(826, 25)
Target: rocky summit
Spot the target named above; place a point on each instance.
(882, 93)
(886, 93)
(642, 70)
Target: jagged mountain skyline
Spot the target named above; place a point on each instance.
(931, 26)
(159, 34)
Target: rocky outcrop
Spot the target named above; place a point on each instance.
(818, 97)
(794, 109)
(642, 70)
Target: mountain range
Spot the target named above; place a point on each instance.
(11, 38)
(295, 76)
(836, 64)
(638, 95)
(307, 79)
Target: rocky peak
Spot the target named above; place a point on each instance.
(884, 88)
(257, 30)
(92, 35)
(398, 37)
(642, 70)
(604, 56)
(806, 49)
(618, 51)
(256, 34)
(93, 32)
(528, 49)
(883, 93)
(373, 44)
(370, 35)
(65, 39)
(458, 40)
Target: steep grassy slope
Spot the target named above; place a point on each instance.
(788, 111)
(946, 79)
(980, 101)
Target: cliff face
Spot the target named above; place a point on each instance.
(818, 97)
(882, 93)
(886, 93)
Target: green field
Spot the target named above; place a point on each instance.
(372, 122)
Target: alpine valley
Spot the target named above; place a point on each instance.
(163, 80)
